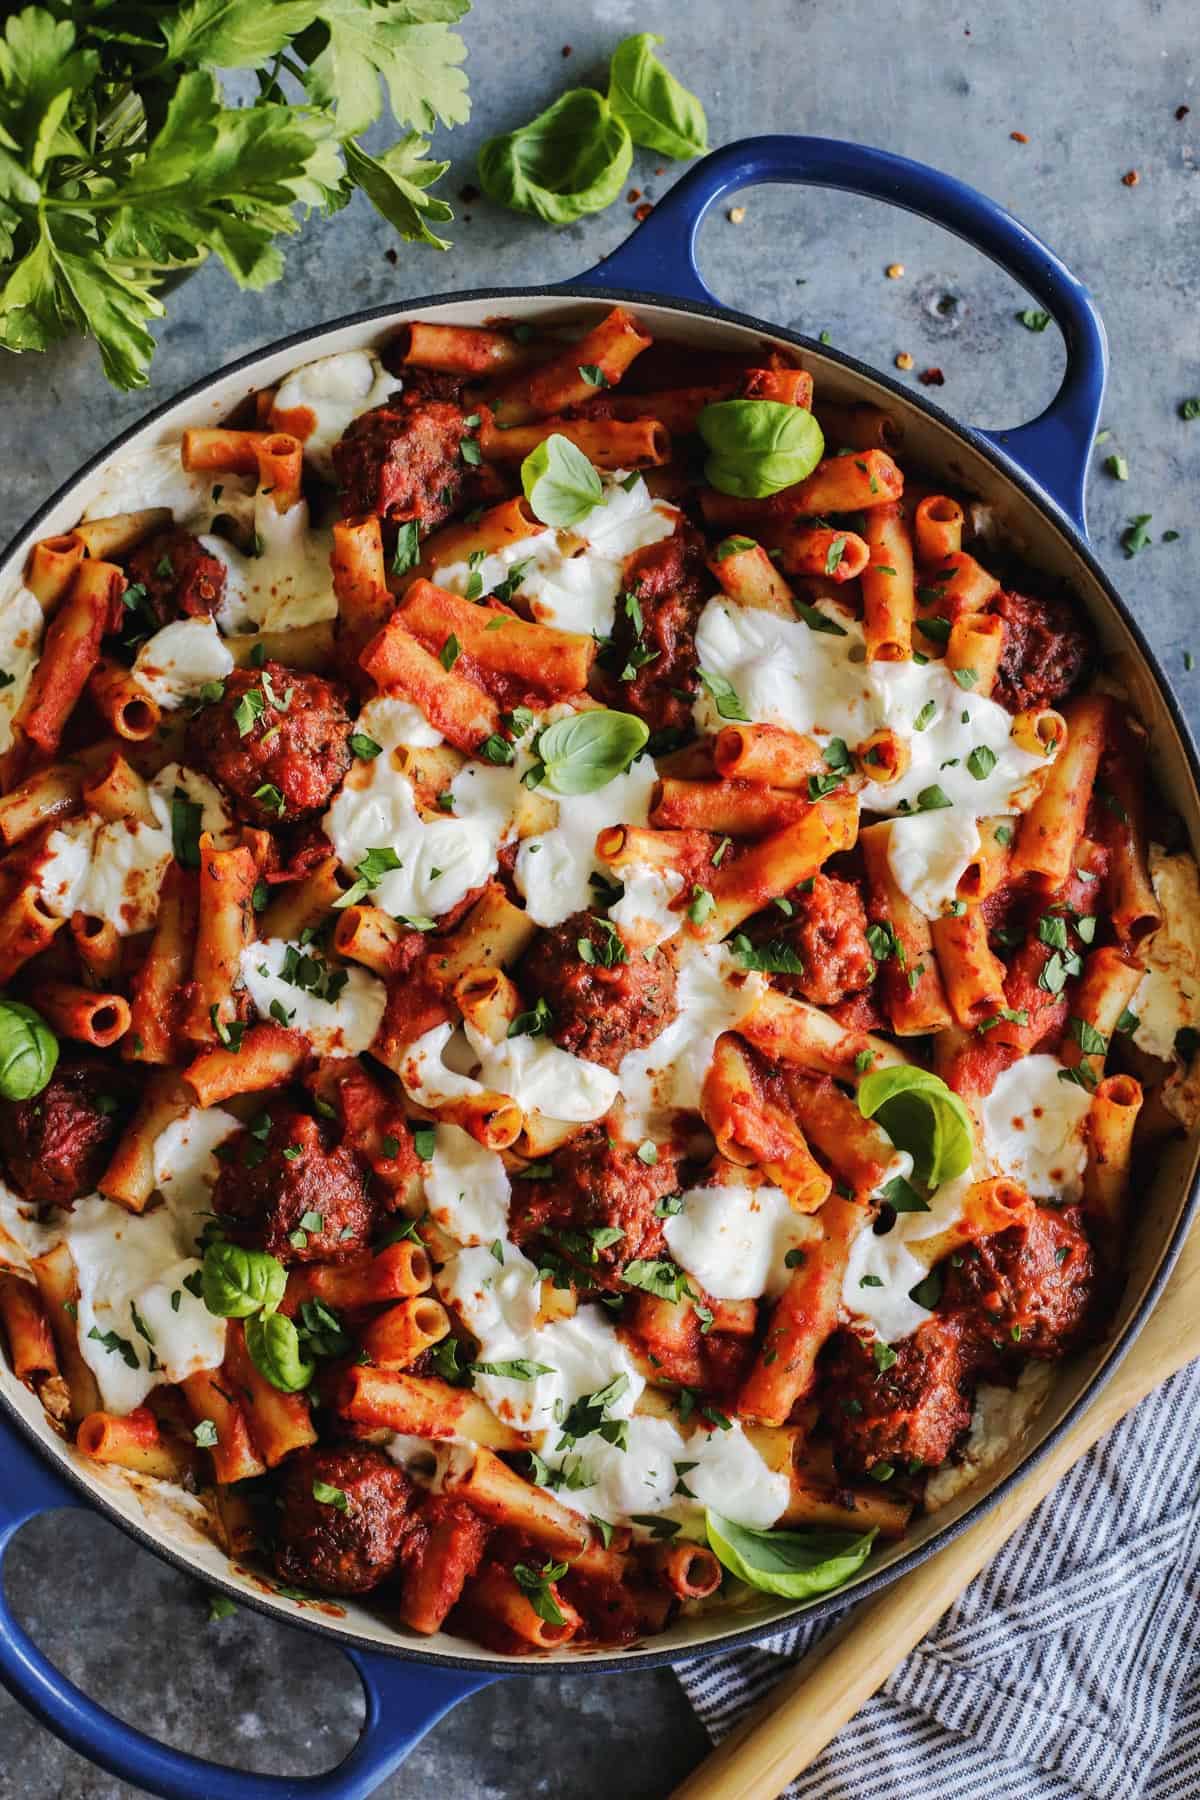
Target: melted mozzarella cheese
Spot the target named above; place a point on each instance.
(156, 477)
(133, 1267)
(1033, 1128)
(396, 724)
(288, 583)
(735, 1240)
(114, 869)
(21, 623)
(322, 397)
(572, 578)
(499, 1302)
(669, 1073)
(883, 1269)
(814, 682)
(1168, 999)
(644, 910)
(426, 1077)
(553, 870)
(176, 662)
(466, 1188)
(720, 1468)
(441, 859)
(344, 1026)
(928, 854)
(542, 1078)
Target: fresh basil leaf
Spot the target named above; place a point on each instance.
(560, 484)
(923, 1116)
(758, 447)
(571, 160)
(724, 695)
(520, 1369)
(28, 1051)
(187, 820)
(238, 1282)
(273, 1344)
(657, 110)
(589, 749)
(795, 1564)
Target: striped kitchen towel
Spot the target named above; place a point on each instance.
(1070, 1667)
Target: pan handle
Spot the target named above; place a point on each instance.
(403, 1699)
(1053, 449)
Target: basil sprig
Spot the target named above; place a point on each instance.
(657, 110)
(579, 754)
(574, 158)
(758, 447)
(249, 1285)
(571, 160)
(560, 483)
(921, 1115)
(795, 1564)
(28, 1051)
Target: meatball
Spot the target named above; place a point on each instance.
(1044, 651)
(827, 931)
(1030, 1288)
(404, 461)
(912, 1412)
(597, 1184)
(277, 742)
(283, 1191)
(57, 1145)
(652, 664)
(351, 1538)
(179, 576)
(605, 997)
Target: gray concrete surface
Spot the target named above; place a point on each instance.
(1096, 91)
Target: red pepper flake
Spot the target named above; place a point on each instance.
(1181, 112)
(566, 50)
(1018, 137)
(391, 256)
(468, 195)
(931, 378)
(633, 194)
(663, 170)
(1130, 179)
(643, 211)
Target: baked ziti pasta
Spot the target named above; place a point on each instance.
(549, 1030)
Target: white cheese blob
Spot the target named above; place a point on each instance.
(735, 1240)
(553, 870)
(155, 476)
(113, 869)
(726, 1472)
(572, 578)
(288, 583)
(330, 391)
(441, 859)
(542, 1078)
(21, 624)
(928, 854)
(882, 1270)
(134, 1267)
(395, 724)
(1033, 1128)
(426, 1077)
(499, 1302)
(669, 1073)
(786, 674)
(466, 1187)
(343, 1026)
(175, 663)
(1168, 999)
(644, 910)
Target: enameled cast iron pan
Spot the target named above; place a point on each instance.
(1033, 477)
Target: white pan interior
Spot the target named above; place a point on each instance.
(176, 1522)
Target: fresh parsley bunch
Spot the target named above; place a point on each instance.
(121, 160)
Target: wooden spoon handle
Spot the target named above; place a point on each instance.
(809, 1706)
